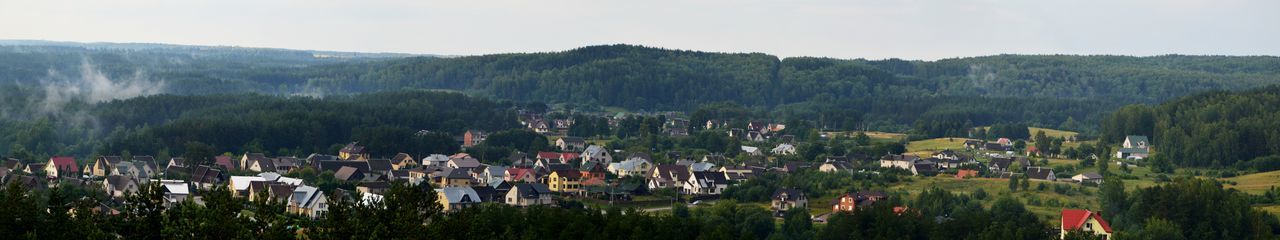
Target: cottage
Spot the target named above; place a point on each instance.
(924, 168)
(61, 167)
(565, 181)
(850, 202)
(352, 151)
(457, 177)
(435, 160)
(1041, 173)
(1086, 221)
(103, 166)
(455, 198)
(636, 165)
(898, 161)
(571, 144)
(973, 144)
(740, 173)
(520, 175)
(256, 162)
(787, 198)
(1089, 177)
(403, 161)
(705, 183)
(783, 149)
(529, 194)
(119, 186)
(462, 160)
(239, 185)
(596, 153)
(308, 201)
(667, 175)
(835, 166)
(471, 138)
(752, 151)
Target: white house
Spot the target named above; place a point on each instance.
(784, 149)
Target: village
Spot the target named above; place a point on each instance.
(582, 170)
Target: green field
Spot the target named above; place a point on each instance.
(1052, 132)
(1256, 183)
(928, 146)
(996, 188)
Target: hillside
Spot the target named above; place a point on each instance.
(1218, 128)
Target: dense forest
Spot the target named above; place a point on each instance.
(936, 98)
(1211, 129)
(417, 122)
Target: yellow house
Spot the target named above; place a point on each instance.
(565, 181)
(1084, 220)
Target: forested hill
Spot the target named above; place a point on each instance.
(650, 78)
(934, 98)
(1219, 128)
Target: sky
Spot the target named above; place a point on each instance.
(875, 29)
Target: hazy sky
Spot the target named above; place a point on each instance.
(842, 29)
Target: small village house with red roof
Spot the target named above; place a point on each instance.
(61, 166)
(1084, 220)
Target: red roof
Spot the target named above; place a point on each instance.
(517, 172)
(569, 155)
(1074, 218)
(548, 155)
(65, 163)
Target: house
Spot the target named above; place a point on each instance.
(1000, 165)
(954, 163)
(286, 164)
(835, 166)
(1132, 153)
(256, 162)
(740, 173)
(515, 174)
(12, 164)
(205, 177)
(119, 186)
(787, 198)
(636, 165)
(1134, 141)
(175, 191)
(103, 166)
(705, 183)
(435, 160)
(898, 161)
(755, 136)
(997, 147)
(403, 161)
(850, 202)
(1041, 173)
(667, 175)
(784, 149)
(973, 144)
(924, 168)
(471, 138)
(308, 201)
(596, 153)
(966, 173)
(352, 151)
(239, 185)
(373, 187)
(457, 177)
(565, 181)
(225, 162)
(752, 151)
(946, 154)
(381, 166)
(1089, 177)
(33, 168)
(176, 162)
(529, 194)
(1086, 221)
(462, 160)
(455, 198)
(61, 167)
(1004, 142)
(348, 174)
(571, 144)
(593, 170)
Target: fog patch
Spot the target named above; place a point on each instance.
(90, 85)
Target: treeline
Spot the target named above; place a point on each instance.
(1210, 129)
(1186, 208)
(416, 122)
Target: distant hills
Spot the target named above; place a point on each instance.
(1037, 89)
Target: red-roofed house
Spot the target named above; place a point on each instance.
(520, 175)
(1084, 220)
(60, 166)
(549, 156)
(569, 157)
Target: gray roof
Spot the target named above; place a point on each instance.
(1039, 172)
(460, 194)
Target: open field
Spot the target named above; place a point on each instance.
(1052, 132)
(997, 188)
(1273, 209)
(1256, 183)
(928, 146)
